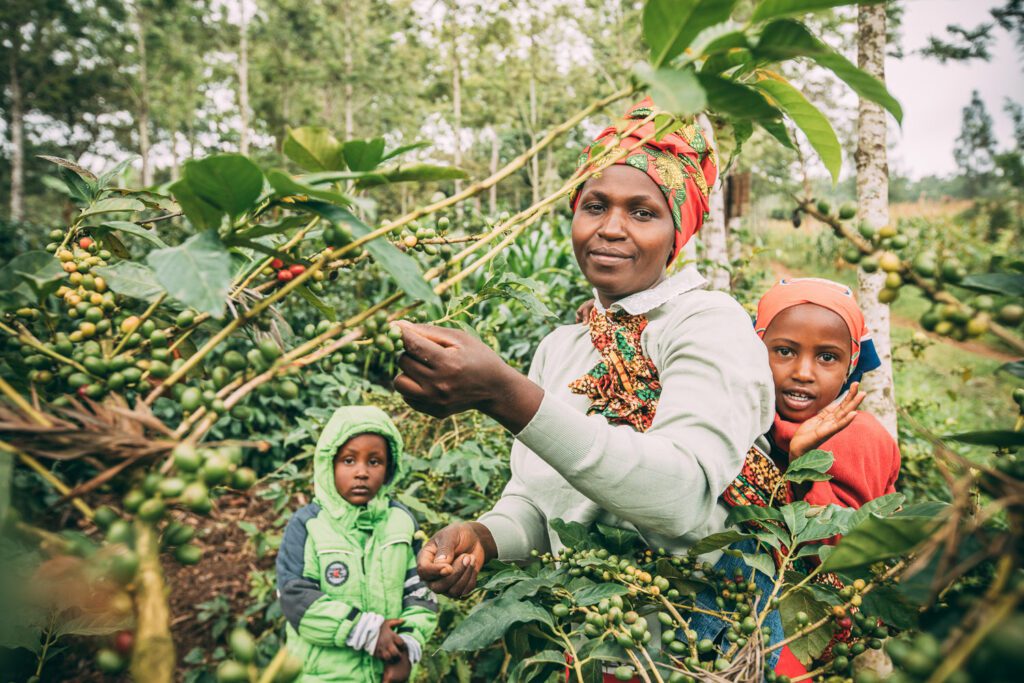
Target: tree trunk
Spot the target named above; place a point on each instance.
(142, 119)
(713, 234)
(243, 80)
(534, 161)
(492, 195)
(349, 70)
(17, 142)
(873, 207)
(457, 106)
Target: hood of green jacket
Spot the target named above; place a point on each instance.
(343, 425)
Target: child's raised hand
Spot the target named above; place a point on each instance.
(583, 312)
(826, 424)
(390, 645)
(397, 671)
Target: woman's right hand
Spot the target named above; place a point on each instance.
(450, 561)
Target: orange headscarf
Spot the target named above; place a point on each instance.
(835, 297)
(682, 164)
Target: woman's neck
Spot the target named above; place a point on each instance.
(609, 299)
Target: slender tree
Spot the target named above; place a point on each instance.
(873, 207)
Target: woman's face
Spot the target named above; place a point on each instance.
(622, 233)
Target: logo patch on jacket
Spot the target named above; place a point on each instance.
(336, 573)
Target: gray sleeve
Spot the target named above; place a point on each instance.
(516, 524)
(717, 398)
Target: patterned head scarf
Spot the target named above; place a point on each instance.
(835, 297)
(682, 164)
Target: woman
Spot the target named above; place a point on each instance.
(639, 419)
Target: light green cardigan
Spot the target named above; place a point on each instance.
(717, 400)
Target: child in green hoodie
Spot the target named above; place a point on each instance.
(346, 570)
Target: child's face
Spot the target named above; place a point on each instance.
(809, 349)
(360, 468)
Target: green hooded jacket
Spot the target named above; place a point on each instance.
(338, 561)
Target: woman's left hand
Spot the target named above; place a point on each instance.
(447, 371)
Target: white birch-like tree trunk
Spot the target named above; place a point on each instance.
(17, 208)
(492, 195)
(243, 80)
(873, 207)
(714, 235)
(142, 115)
(457, 104)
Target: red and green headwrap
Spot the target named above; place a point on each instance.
(683, 164)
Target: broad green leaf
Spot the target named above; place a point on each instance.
(571, 534)
(504, 577)
(736, 100)
(847, 518)
(16, 290)
(39, 269)
(415, 173)
(616, 539)
(490, 620)
(669, 26)
(363, 155)
(95, 625)
(400, 266)
(1015, 368)
(787, 39)
(864, 84)
(721, 62)
(403, 149)
(878, 538)
(777, 129)
(762, 562)
(201, 213)
(131, 279)
(107, 176)
(756, 513)
(83, 173)
(811, 121)
(999, 438)
(554, 658)
(134, 229)
(317, 303)
(720, 39)
(768, 9)
(314, 149)
(286, 186)
(77, 186)
(675, 90)
(197, 272)
(596, 592)
(813, 644)
(891, 606)
(717, 541)
(531, 586)
(113, 205)
(229, 182)
(816, 460)
(527, 297)
(1010, 284)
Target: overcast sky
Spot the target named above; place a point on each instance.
(933, 94)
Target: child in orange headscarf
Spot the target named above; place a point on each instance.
(818, 348)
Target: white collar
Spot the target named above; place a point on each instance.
(641, 302)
